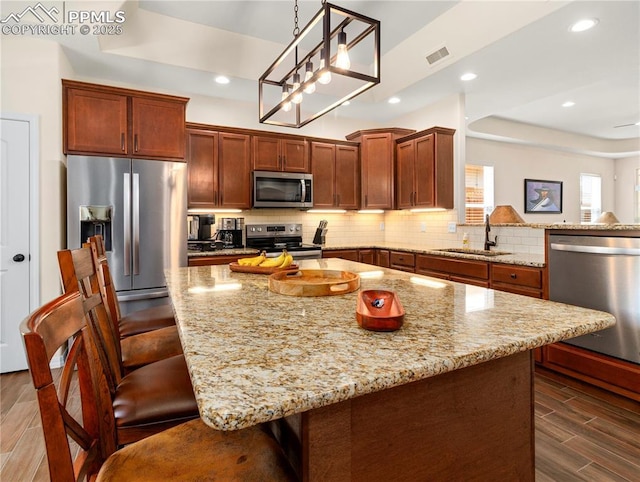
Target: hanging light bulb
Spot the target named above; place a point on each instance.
(325, 76)
(310, 88)
(342, 58)
(297, 98)
(285, 93)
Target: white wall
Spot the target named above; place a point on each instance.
(625, 184)
(31, 70)
(514, 162)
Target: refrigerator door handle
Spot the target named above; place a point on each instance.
(126, 216)
(135, 198)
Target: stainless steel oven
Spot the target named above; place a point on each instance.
(273, 238)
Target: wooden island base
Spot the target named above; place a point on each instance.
(474, 423)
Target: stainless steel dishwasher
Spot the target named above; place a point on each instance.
(602, 273)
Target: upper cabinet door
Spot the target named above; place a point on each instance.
(234, 170)
(405, 185)
(95, 122)
(377, 171)
(324, 173)
(295, 156)
(202, 168)
(266, 153)
(347, 177)
(158, 128)
(424, 172)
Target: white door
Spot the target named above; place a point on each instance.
(15, 282)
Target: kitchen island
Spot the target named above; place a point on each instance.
(447, 397)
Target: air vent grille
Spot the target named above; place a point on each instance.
(437, 55)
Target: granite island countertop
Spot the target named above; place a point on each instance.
(254, 355)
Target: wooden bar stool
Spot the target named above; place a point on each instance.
(134, 351)
(188, 452)
(140, 321)
(148, 399)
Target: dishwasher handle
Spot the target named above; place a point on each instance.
(575, 248)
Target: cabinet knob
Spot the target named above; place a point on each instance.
(513, 276)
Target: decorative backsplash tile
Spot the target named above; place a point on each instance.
(428, 229)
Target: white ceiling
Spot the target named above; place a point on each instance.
(527, 61)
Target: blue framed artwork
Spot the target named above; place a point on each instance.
(542, 196)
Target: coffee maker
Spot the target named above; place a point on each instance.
(199, 226)
(230, 232)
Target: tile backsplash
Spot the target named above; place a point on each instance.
(402, 228)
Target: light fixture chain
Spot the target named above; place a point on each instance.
(296, 30)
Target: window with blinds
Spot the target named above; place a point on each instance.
(478, 193)
(590, 197)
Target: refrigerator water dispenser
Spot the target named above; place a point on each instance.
(96, 220)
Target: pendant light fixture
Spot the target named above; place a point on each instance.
(346, 48)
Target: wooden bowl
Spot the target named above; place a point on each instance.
(379, 310)
(314, 282)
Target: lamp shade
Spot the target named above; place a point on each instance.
(607, 217)
(505, 215)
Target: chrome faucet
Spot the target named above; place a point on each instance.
(487, 229)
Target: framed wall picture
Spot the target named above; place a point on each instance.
(542, 196)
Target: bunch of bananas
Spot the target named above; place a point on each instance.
(255, 261)
(283, 261)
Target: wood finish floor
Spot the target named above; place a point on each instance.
(580, 434)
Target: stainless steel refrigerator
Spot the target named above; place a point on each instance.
(140, 207)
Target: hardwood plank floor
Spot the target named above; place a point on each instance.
(581, 435)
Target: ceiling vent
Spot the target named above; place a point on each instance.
(437, 55)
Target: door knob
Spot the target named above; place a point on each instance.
(18, 258)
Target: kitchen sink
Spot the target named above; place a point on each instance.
(477, 252)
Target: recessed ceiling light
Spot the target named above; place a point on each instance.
(221, 79)
(568, 104)
(638, 123)
(468, 76)
(584, 24)
(394, 100)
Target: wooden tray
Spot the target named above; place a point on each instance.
(379, 310)
(314, 282)
(238, 268)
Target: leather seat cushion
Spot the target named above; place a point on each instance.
(145, 348)
(159, 392)
(145, 320)
(193, 451)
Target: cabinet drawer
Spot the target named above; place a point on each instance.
(516, 275)
(452, 266)
(400, 259)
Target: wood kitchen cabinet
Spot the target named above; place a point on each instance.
(454, 269)
(424, 169)
(402, 261)
(272, 153)
(219, 169)
(216, 259)
(377, 171)
(382, 258)
(348, 254)
(522, 280)
(336, 175)
(103, 120)
(367, 256)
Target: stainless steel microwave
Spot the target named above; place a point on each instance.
(282, 190)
